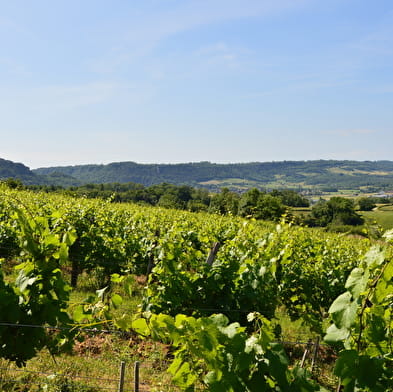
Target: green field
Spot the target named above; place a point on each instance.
(382, 215)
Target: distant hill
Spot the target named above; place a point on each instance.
(10, 169)
(320, 174)
(326, 175)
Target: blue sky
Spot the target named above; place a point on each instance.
(97, 81)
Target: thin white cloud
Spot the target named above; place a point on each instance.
(220, 54)
(148, 31)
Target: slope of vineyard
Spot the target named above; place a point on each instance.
(258, 268)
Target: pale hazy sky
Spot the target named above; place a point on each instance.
(97, 81)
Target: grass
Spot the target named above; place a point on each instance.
(295, 335)
(94, 363)
(292, 331)
(382, 215)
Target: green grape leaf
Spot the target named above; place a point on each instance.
(346, 366)
(374, 257)
(212, 377)
(334, 334)
(116, 278)
(78, 313)
(128, 285)
(343, 310)
(253, 344)
(116, 300)
(231, 330)
(140, 327)
(69, 237)
(369, 370)
(62, 253)
(356, 282)
(182, 374)
(124, 322)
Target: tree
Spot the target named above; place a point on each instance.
(269, 207)
(14, 183)
(321, 214)
(337, 211)
(366, 204)
(226, 202)
(260, 205)
(171, 200)
(248, 202)
(344, 212)
(291, 198)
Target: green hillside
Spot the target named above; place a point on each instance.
(321, 174)
(10, 169)
(15, 170)
(313, 176)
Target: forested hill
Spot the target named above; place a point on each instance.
(375, 175)
(299, 175)
(10, 169)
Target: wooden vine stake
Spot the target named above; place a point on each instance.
(315, 354)
(122, 373)
(213, 253)
(306, 352)
(136, 376)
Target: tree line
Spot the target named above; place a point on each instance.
(254, 203)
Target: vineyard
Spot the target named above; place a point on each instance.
(209, 288)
